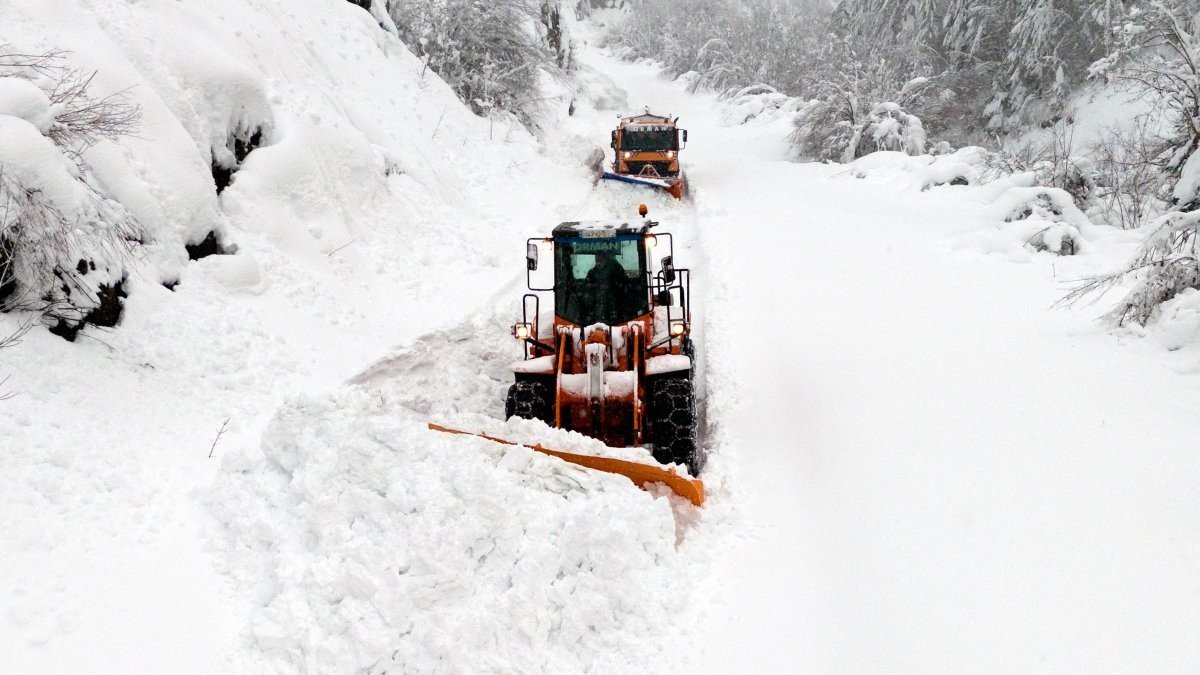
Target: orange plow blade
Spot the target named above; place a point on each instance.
(691, 489)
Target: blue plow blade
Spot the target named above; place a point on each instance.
(635, 180)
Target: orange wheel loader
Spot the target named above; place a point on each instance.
(617, 361)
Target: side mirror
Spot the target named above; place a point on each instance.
(668, 269)
(613, 144)
(531, 256)
(685, 136)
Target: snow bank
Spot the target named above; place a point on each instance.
(374, 543)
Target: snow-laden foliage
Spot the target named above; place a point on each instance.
(1158, 57)
(491, 53)
(1023, 57)
(1131, 187)
(64, 247)
(993, 66)
(726, 42)
(860, 107)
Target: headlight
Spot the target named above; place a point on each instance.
(522, 331)
(626, 155)
(678, 328)
(651, 241)
(670, 154)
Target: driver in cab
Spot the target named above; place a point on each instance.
(608, 272)
(610, 282)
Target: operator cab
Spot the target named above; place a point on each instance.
(603, 270)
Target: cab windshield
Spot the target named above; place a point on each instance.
(653, 139)
(600, 280)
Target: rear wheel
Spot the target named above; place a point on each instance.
(673, 422)
(530, 400)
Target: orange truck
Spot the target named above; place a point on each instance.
(646, 152)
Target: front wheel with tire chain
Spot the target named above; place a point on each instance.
(530, 400)
(672, 408)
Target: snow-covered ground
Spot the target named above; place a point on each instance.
(932, 469)
(916, 463)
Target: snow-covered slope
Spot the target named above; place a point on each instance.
(376, 209)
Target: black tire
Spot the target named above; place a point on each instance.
(673, 422)
(689, 350)
(530, 400)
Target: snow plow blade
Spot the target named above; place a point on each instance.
(691, 489)
(673, 187)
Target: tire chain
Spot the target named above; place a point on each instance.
(674, 414)
(529, 400)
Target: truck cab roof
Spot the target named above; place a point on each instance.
(601, 228)
(647, 120)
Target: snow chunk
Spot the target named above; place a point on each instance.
(37, 164)
(21, 98)
(667, 363)
(1188, 187)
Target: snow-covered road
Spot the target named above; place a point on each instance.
(933, 470)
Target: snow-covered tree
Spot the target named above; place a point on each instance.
(491, 53)
(861, 105)
(1051, 42)
(725, 42)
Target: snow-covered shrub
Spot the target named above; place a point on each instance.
(491, 53)
(1131, 187)
(1167, 264)
(1052, 162)
(860, 110)
(64, 247)
(1049, 213)
(747, 103)
(889, 127)
(825, 130)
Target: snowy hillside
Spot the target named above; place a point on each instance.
(377, 207)
(917, 463)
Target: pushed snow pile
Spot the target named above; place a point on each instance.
(375, 544)
(371, 542)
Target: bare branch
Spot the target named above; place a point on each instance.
(220, 433)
